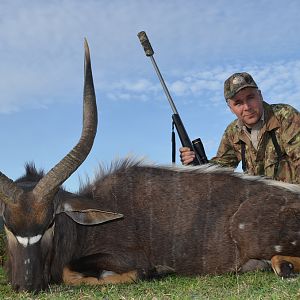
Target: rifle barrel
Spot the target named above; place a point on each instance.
(164, 86)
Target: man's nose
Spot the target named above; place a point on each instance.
(247, 106)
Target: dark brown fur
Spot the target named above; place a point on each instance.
(186, 220)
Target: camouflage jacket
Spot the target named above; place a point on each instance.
(285, 121)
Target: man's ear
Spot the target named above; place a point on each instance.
(2, 206)
(260, 95)
(84, 211)
(228, 104)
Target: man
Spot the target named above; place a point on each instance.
(266, 138)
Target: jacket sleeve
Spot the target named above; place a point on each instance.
(226, 155)
(291, 138)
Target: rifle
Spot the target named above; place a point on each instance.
(196, 145)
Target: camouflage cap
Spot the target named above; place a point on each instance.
(236, 82)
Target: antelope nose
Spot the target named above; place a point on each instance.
(32, 288)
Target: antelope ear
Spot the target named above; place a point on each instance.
(85, 212)
(92, 216)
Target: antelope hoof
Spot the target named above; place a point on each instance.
(285, 266)
(286, 269)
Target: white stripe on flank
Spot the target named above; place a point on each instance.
(242, 226)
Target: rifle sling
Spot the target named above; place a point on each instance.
(277, 149)
(173, 144)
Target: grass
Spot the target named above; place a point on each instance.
(255, 285)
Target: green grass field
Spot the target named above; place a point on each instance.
(255, 285)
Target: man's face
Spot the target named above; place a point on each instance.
(247, 105)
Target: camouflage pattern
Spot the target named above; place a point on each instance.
(236, 82)
(286, 121)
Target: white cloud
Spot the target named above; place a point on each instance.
(41, 49)
(179, 87)
(279, 82)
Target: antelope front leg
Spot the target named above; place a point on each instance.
(285, 266)
(76, 278)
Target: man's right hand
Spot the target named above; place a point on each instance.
(186, 155)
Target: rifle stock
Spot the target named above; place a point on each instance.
(196, 145)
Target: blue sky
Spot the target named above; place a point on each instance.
(197, 45)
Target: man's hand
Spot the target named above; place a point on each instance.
(186, 155)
